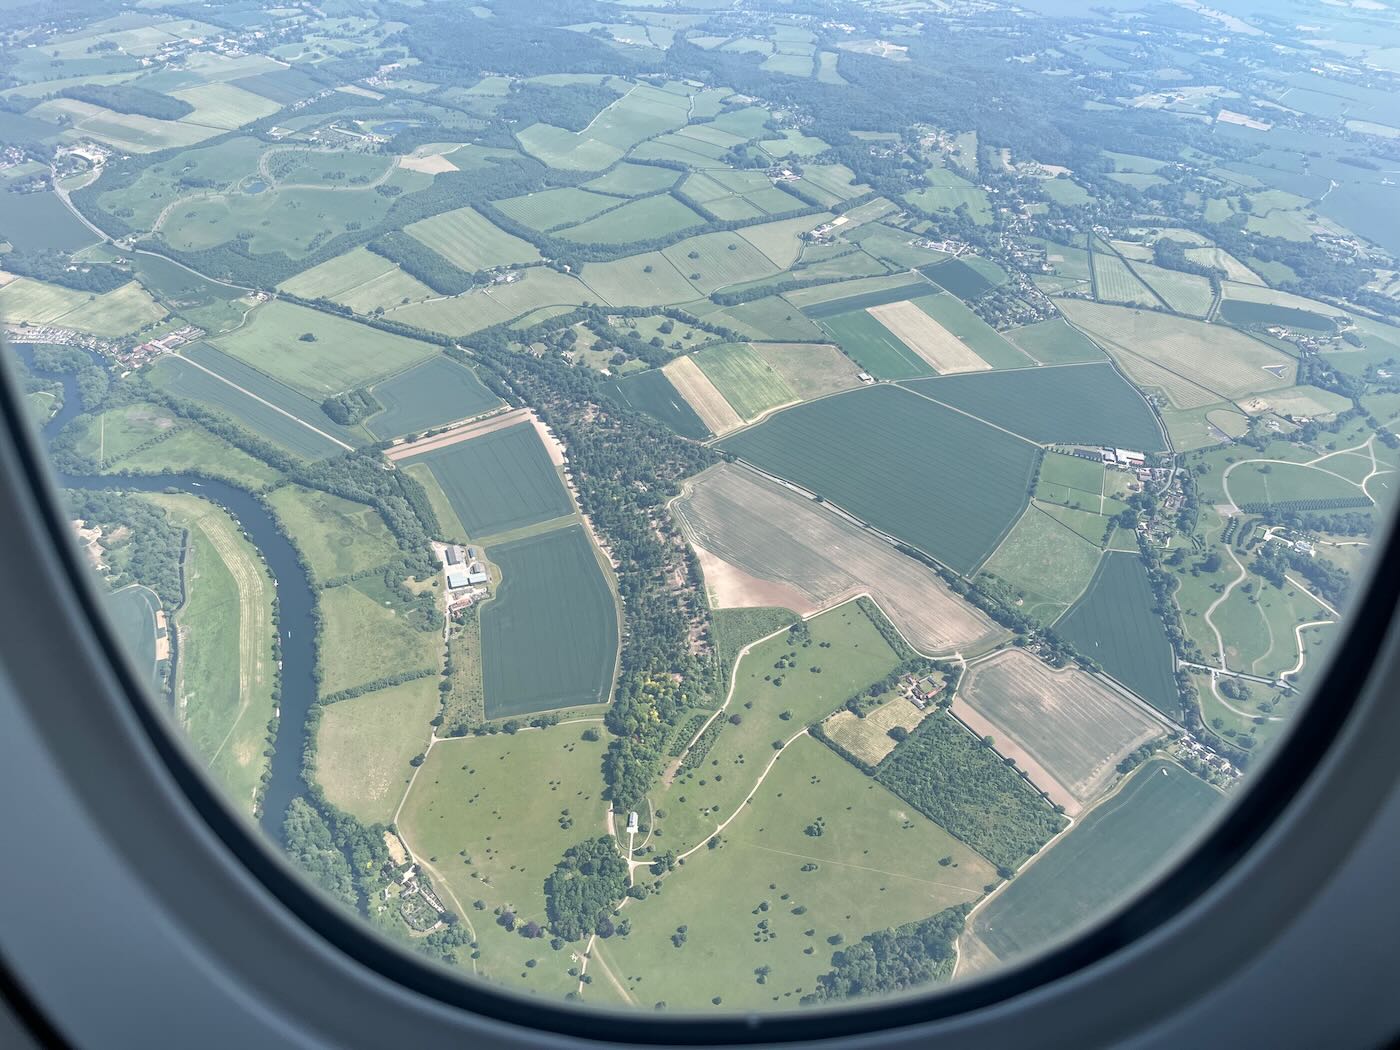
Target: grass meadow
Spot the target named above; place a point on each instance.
(336, 536)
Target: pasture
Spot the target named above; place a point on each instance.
(550, 209)
(868, 737)
(1114, 625)
(1045, 563)
(1054, 342)
(1117, 847)
(651, 392)
(499, 481)
(745, 379)
(467, 239)
(365, 639)
(633, 180)
(768, 318)
(428, 395)
(1186, 293)
(1282, 484)
(337, 537)
(770, 895)
(646, 218)
(810, 369)
(715, 260)
(1067, 729)
(364, 746)
(1115, 282)
(841, 297)
(1072, 405)
(225, 674)
(873, 347)
(107, 436)
(132, 613)
(339, 275)
(194, 449)
(782, 241)
(549, 636)
(854, 449)
(769, 533)
(339, 356)
(1179, 354)
(638, 280)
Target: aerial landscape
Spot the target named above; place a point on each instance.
(715, 505)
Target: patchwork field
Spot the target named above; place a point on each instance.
(1055, 343)
(769, 533)
(716, 260)
(646, 218)
(428, 395)
(854, 449)
(549, 636)
(702, 395)
(1068, 730)
(1047, 564)
(1115, 282)
(652, 392)
(500, 480)
(341, 354)
(1177, 354)
(810, 369)
(1114, 624)
(1073, 405)
(364, 746)
(1119, 846)
(466, 238)
(359, 279)
(744, 378)
(938, 347)
(981, 337)
(550, 209)
(873, 347)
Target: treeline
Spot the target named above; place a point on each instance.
(360, 476)
(584, 888)
(894, 960)
(418, 260)
(351, 406)
(1273, 560)
(123, 98)
(343, 857)
(149, 554)
(960, 784)
(55, 267)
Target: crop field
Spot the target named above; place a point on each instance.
(1186, 293)
(553, 208)
(643, 219)
(771, 533)
(1055, 343)
(1066, 728)
(771, 317)
(873, 347)
(632, 180)
(1214, 357)
(336, 536)
(651, 392)
(32, 221)
(535, 288)
(125, 131)
(464, 237)
(132, 612)
(1285, 483)
(565, 150)
(810, 369)
(854, 449)
(1120, 845)
(716, 260)
(781, 241)
(224, 106)
(119, 312)
(701, 395)
(1310, 401)
(357, 267)
(225, 675)
(1070, 480)
(459, 315)
(499, 481)
(341, 354)
(1047, 564)
(947, 192)
(1114, 625)
(24, 300)
(364, 746)
(641, 280)
(549, 636)
(940, 349)
(846, 296)
(984, 340)
(876, 864)
(428, 395)
(1114, 282)
(965, 278)
(851, 654)
(1242, 313)
(746, 380)
(869, 738)
(364, 640)
(497, 813)
(1073, 405)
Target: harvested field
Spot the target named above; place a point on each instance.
(1067, 729)
(702, 395)
(943, 351)
(464, 432)
(768, 531)
(810, 369)
(869, 738)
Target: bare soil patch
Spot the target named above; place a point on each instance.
(944, 352)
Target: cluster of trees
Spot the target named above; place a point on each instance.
(341, 855)
(572, 108)
(351, 406)
(44, 264)
(123, 98)
(150, 554)
(399, 498)
(893, 960)
(1273, 560)
(958, 782)
(418, 260)
(584, 889)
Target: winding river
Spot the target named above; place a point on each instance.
(295, 598)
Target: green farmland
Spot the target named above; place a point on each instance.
(1114, 625)
(132, 611)
(1055, 343)
(1045, 563)
(1114, 849)
(499, 481)
(860, 451)
(335, 536)
(651, 392)
(549, 636)
(748, 383)
(1081, 405)
(428, 395)
(467, 239)
(874, 347)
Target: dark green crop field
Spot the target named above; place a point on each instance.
(39, 220)
(874, 347)
(927, 475)
(1113, 624)
(1081, 405)
(963, 280)
(1115, 848)
(1240, 312)
(549, 637)
(651, 392)
(831, 308)
(428, 395)
(499, 481)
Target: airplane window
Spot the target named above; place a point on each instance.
(707, 508)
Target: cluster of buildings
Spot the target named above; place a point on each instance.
(43, 333)
(1124, 458)
(467, 578)
(153, 348)
(921, 690)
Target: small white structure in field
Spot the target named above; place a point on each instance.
(632, 823)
